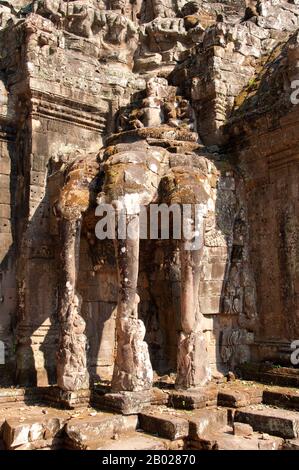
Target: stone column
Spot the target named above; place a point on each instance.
(192, 363)
(72, 372)
(132, 369)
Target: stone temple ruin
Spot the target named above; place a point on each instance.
(139, 103)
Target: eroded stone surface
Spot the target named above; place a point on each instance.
(155, 427)
(277, 422)
(124, 104)
(171, 427)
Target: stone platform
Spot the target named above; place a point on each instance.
(48, 396)
(229, 416)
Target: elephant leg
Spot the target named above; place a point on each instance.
(193, 366)
(71, 357)
(132, 368)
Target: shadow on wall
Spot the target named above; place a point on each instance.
(37, 329)
(8, 243)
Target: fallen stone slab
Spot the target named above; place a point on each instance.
(16, 433)
(55, 443)
(282, 397)
(277, 422)
(163, 425)
(136, 441)
(226, 440)
(20, 431)
(193, 399)
(237, 396)
(202, 422)
(104, 425)
(270, 374)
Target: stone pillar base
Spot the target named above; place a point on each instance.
(54, 396)
(128, 403)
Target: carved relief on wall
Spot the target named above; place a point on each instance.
(234, 346)
(168, 34)
(239, 291)
(161, 106)
(109, 27)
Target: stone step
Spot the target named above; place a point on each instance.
(128, 403)
(225, 440)
(277, 422)
(238, 395)
(193, 399)
(17, 396)
(270, 374)
(164, 425)
(101, 426)
(18, 431)
(133, 441)
(179, 424)
(282, 397)
(54, 396)
(202, 422)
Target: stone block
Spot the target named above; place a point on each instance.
(276, 422)
(237, 397)
(36, 432)
(5, 244)
(101, 426)
(37, 178)
(15, 433)
(206, 421)
(282, 397)
(70, 400)
(5, 211)
(218, 271)
(163, 425)
(136, 441)
(210, 288)
(5, 197)
(37, 193)
(5, 225)
(193, 399)
(242, 429)
(4, 182)
(55, 443)
(129, 403)
(210, 305)
(225, 440)
(5, 165)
